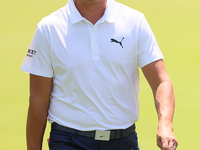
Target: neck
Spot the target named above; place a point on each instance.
(92, 10)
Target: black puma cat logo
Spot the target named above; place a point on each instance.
(113, 40)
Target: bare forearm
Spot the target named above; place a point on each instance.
(40, 91)
(36, 124)
(165, 103)
(162, 88)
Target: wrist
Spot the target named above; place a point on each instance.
(167, 125)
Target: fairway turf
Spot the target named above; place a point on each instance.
(176, 25)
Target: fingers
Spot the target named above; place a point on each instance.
(164, 144)
(167, 143)
(171, 145)
(159, 142)
(175, 144)
(166, 139)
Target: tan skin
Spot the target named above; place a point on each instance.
(155, 73)
(40, 90)
(92, 10)
(162, 89)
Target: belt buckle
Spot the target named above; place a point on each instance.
(102, 135)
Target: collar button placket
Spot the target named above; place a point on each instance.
(94, 47)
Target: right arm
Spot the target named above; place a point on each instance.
(40, 91)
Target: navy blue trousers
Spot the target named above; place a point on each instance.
(67, 141)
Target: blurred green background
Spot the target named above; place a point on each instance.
(176, 25)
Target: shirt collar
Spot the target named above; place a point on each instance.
(73, 13)
(110, 13)
(76, 17)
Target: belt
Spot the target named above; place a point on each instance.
(97, 134)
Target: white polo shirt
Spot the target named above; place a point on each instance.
(94, 67)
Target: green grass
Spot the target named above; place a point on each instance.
(176, 25)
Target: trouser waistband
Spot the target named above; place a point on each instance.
(97, 134)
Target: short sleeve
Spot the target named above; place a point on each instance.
(148, 49)
(38, 58)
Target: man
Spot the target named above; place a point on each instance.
(83, 64)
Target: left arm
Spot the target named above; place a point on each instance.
(162, 89)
